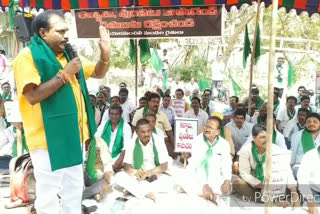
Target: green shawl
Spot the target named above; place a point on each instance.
(15, 144)
(276, 105)
(222, 132)
(5, 97)
(274, 136)
(259, 167)
(118, 142)
(260, 103)
(138, 154)
(60, 112)
(205, 164)
(290, 116)
(280, 80)
(307, 141)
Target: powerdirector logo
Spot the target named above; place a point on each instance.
(280, 195)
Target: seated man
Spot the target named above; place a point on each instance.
(197, 113)
(116, 133)
(261, 116)
(209, 168)
(305, 140)
(252, 157)
(308, 179)
(145, 160)
(103, 166)
(240, 129)
(294, 125)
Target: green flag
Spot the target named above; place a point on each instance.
(246, 48)
(144, 50)
(291, 75)
(258, 46)
(234, 87)
(132, 52)
(203, 84)
(156, 61)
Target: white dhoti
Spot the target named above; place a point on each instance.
(66, 183)
(140, 189)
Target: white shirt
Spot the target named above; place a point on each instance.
(247, 165)
(239, 136)
(3, 124)
(202, 117)
(291, 128)
(7, 137)
(126, 136)
(280, 140)
(309, 173)
(311, 108)
(170, 113)
(148, 154)
(283, 117)
(296, 147)
(217, 70)
(220, 163)
(191, 87)
(127, 107)
(174, 86)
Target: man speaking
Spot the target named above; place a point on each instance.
(56, 111)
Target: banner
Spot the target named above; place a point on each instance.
(151, 22)
(186, 130)
(179, 106)
(12, 111)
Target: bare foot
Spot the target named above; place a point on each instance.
(151, 196)
(97, 197)
(180, 190)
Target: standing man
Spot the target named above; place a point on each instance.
(165, 69)
(57, 117)
(217, 69)
(167, 109)
(281, 76)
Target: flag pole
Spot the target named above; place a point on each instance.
(253, 54)
(268, 204)
(136, 62)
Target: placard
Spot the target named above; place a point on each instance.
(179, 106)
(12, 111)
(151, 22)
(280, 169)
(186, 130)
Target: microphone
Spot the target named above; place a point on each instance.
(72, 54)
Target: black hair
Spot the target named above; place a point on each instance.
(292, 98)
(2, 52)
(303, 110)
(207, 90)
(257, 129)
(237, 98)
(240, 112)
(5, 83)
(43, 20)
(154, 95)
(115, 107)
(143, 98)
(166, 95)
(151, 115)
(115, 97)
(216, 119)
(305, 98)
(301, 87)
(142, 122)
(316, 115)
(123, 83)
(180, 90)
(124, 90)
(147, 94)
(196, 98)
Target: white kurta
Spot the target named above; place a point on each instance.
(219, 167)
(283, 117)
(309, 173)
